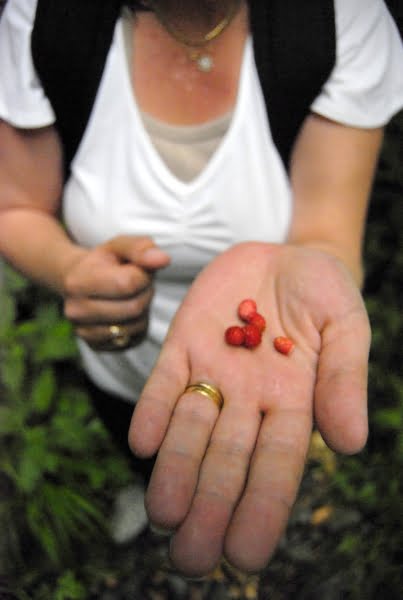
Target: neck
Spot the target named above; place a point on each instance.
(198, 24)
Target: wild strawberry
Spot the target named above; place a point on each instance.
(258, 320)
(253, 336)
(247, 309)
(283, 345)
(234, 335)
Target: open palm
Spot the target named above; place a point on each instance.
(225, 482)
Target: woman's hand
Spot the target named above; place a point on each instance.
(108, 291)
(225, 482)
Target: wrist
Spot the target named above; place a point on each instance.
(70, 256)
(351, 260)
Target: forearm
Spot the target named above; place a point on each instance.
(332, 172)
(31, 183)
(36, 244)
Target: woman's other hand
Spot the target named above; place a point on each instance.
(108, 290)
(225, 482)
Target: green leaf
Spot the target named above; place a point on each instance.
(81, 504)
(75, 402)
(69, 432)
(7, 312)
(29, 472)
(349, 544)
(27, 329)
(43, 390)
(69, 588)
(38, 524)
(12, 368)
(57, 343)
(14, 281)
(11, 420)
(36, 459)
(389, 418)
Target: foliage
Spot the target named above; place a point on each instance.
(57, 469)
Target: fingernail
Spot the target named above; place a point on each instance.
(155, 253)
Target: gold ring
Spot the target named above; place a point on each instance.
(208, 390)
(120, 338)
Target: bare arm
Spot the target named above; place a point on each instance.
(332, 171)
(110, 283)
(30, 189)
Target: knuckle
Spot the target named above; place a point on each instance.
(71, 284)
(180, 454)
(286, 447)
(70, 309)
(132, 281)
(230, 448)
(124, 285)
(194, 409)
(140, 304)
(83, 333)
(279, 499)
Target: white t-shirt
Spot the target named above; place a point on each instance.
(243, 192)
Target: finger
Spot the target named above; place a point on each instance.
(341, 389)
(198, 544)
(155, 406)
(141, 251)
(114, 337)
(276, 470)
(90, 311)
(176, 471)
(108, 280)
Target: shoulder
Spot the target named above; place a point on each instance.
(18, 14)
(369, 47)
(370, 18)
(22, 101)
(365, 88)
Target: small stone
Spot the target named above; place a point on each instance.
(321, 515)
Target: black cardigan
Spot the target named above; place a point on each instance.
(294, 46)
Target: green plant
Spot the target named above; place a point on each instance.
(57, 468)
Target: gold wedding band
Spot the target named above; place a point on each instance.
(208, 390)
(119, 337)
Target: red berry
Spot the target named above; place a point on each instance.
(283, 345)
(234, 336)
(247, 309)
(253, 336)
(258, 320)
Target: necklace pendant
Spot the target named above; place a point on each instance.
(203, 60)
(205, 63)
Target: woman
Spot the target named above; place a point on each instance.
(190, 197)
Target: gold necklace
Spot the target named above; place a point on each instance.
(196, 49)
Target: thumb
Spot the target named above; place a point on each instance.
(153, 258)
(140, 251)
(341, 388)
